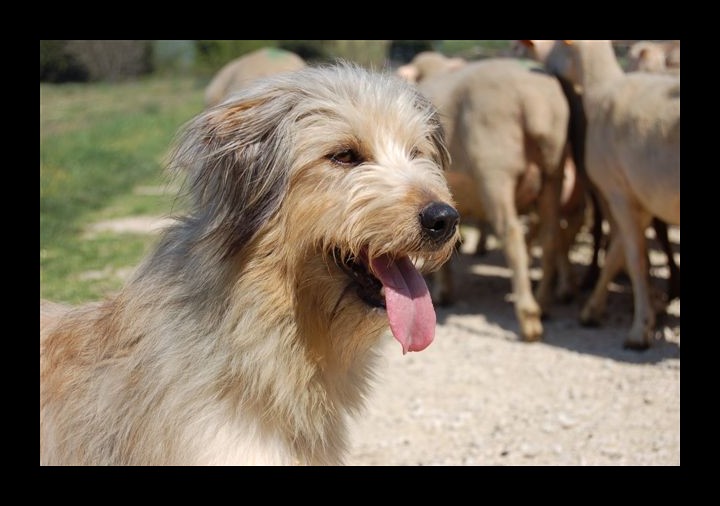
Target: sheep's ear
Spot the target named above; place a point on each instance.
(568, 42)
(408, 72)
(527, 43)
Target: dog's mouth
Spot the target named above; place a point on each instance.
(367, 287)
(394, 284)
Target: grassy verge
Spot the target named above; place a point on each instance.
(100, 146)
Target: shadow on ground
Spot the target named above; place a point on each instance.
(483, 286)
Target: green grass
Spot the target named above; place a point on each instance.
(100, 144)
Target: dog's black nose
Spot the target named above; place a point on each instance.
(438, 221)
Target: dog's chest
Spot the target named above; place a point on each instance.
(239, 442)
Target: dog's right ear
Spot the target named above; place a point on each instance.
(235, 160)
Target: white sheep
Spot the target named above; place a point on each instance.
(650, 56)
(633, 156)
(427, 64)
(237, 73)
(504, 120)
(538, 50)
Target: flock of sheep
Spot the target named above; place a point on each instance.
(555, 129)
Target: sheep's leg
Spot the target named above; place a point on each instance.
(661, 233)
(594, 308)
(549, 213)
(593, 269)
(567, 283)
(509, 229)
(442, 287)
(631, 222)
(484, 231)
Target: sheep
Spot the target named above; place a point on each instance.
(633, 157)
(237, 73)
(470, 207)
(663, 57)
(503, 121)
(424, 65)
(427, 64)
(655, 56)
(538, 50)
(573, 198)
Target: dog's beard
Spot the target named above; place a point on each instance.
(396, 285)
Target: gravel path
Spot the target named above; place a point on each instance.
(480, 396)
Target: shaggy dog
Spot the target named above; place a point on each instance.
(316, 200)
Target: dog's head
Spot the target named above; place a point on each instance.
(344, 169)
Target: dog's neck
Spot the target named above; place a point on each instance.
(291, 300)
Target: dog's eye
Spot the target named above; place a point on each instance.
(414, 153)
(347, 157)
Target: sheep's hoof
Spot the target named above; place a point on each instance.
(590, 322)
(532, 329)
(640, 337)
(632, 344)
(589, 318)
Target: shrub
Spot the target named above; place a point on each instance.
(57, 65)
(402, 51)
(112, 60)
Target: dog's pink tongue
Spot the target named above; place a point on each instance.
(407, 299)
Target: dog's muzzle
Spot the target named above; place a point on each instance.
(439, 221)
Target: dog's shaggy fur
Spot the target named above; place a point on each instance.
(249, 333)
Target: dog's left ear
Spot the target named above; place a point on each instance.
(235, 157)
